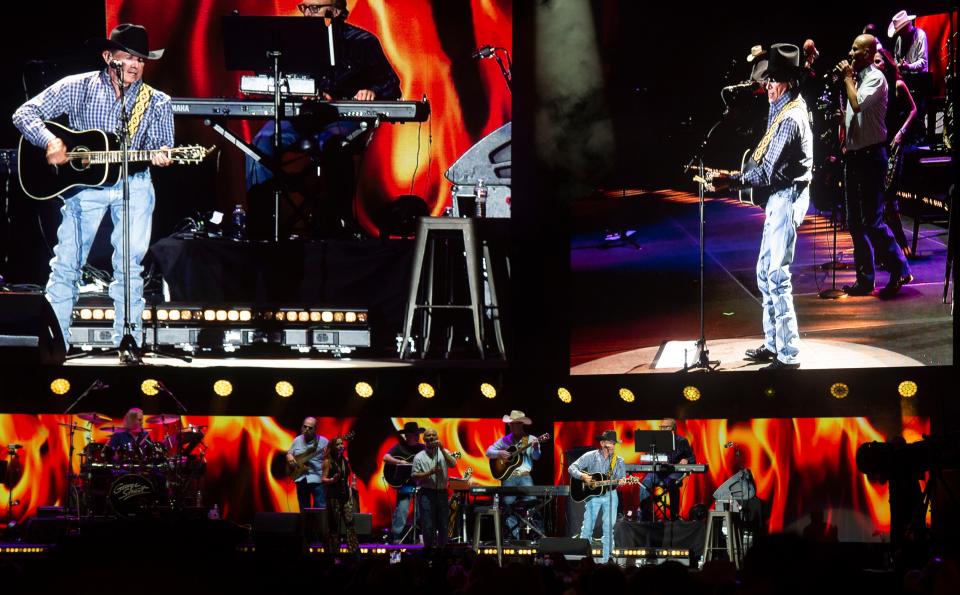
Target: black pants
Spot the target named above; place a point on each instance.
(433, 513)
(865, 172)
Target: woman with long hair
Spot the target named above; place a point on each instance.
(901, 114)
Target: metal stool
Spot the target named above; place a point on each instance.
(429, 230)
(488, 511)
(734, 543)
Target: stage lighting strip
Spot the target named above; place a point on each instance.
(24, 549)
(649, 553)
(186, 314)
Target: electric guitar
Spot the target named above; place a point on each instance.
(502, 468)
(298, 468)
(600, 485)
(94, 160)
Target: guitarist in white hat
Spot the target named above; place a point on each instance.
(506, 449)
(92, 101)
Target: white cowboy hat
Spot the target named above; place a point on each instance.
(517, 416)
(899, 21)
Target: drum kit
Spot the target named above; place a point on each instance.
(162, 470)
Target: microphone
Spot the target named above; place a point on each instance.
(99, 385)
(743, 85)
(116, 64)
(486, 51)
(728, 444)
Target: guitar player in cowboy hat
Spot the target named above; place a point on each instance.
(402, 453)
(520, 476)
(92, 100)
(784, 168)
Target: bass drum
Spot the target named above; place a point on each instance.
(131, 495)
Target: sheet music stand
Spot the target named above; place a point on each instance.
(654, 442)
(279, 45)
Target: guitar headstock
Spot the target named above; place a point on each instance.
(468, 473)
(190, 154)
(631, 479)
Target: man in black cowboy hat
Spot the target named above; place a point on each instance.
(866, 165)
(603, 460)
(784, 165)
(362, 73)
(401, 455)
(91, 101)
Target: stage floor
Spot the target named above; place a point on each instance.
(631, 296)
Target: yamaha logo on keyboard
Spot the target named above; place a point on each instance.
(180, 108)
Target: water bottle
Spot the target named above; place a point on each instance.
(214, 513)
(481, 202)
(239, 222)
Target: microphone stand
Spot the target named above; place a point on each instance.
(127, 349)
(97, 385)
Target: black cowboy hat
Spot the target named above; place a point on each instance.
(129, 38)
(412, 427)
(610, 435)
(783, 63)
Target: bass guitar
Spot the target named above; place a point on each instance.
(502, 468)
(94, 160)
(298, 468)
(600, 485)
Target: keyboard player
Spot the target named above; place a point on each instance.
(362, 73)
(669, 482)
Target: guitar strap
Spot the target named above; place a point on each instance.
(139, 109)
(761, 149)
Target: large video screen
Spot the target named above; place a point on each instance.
(799, 465)
(652, 273)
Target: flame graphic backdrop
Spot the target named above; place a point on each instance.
(428, 43)
(798, 464)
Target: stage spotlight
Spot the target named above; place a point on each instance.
(839, 390)
(907, 389)
(488, 390)
(86, 314)
(426, 390)
(363, 389)
(284, 389)
(691, 393)
(223, 388)
(60, 386)
(769, 392)
(627, 395)
(149, 387)
(564, 395)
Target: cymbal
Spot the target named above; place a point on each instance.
(111, 429)
(77, 427)
(94, 417)
(163, 418)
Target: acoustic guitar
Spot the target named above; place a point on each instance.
(756, 196)
(600, 485)
(94, 160)
(502, 468)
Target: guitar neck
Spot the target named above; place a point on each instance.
(102, 157)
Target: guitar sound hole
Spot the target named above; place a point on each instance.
(79, 163)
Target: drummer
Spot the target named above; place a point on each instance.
(134, 438)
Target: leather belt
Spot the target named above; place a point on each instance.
(519, 473)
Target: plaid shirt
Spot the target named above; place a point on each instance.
(90, 103)
(789, 156)
(593, 462)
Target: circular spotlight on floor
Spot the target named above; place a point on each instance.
(691, 393)
(60, 386)
(839, 390)
(283, 389)
(769, 392)
(488, 390)
(907, 389)
(223, 388)
(426, 390)
(364, 390)
(150, 387)
(564, 395)
(627, 395)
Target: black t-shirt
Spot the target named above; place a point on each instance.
(405, 451)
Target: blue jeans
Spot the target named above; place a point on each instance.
(401, 512)
(784, 212)
(82, 214)
(306, 491)
(513, 525)
(606, 506)
(289, 137)
(864, 176)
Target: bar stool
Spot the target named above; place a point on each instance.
(712, 541)
(430, 230)
(493, 511)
